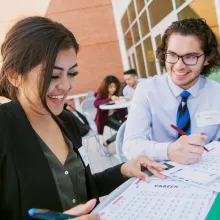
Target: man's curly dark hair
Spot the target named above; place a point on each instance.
(199, 29)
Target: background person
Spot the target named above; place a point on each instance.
(131, 79)
(108, 92)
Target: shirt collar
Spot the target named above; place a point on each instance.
(177, 90)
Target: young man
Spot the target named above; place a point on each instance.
(131, 79)
(183, 97)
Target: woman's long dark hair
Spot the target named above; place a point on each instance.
(103, 89)
(30, 42)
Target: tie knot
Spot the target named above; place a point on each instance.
(185, 95)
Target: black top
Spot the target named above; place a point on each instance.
(26, 180)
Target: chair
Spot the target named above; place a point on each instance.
(88, 108)
(90, 94)
(93, 132)
(87, 105)
(119, 143)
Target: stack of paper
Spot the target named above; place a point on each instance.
(187, 193)
(159, 199)
(205, 173)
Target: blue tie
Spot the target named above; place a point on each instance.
(183, 116)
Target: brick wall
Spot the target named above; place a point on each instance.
(92, 23)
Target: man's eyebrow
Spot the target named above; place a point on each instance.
(60, 68)
(190, 53)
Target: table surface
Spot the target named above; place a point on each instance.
(76, 96)
(115, 105)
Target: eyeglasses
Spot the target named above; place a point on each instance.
(188, 59)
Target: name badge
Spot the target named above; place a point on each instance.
(207, 118)
(84, 155)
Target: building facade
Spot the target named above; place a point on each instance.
(141, 23)
(91, 21)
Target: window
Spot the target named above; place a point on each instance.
(140, 60)
(134, 61)
(125, 22)
(128, 40)
(140, 5)
(131, 10)
(144, 24)
(136, 33)
(200, 9)
(158, 42)
(158, 9)
(179, 3)
(150, 57)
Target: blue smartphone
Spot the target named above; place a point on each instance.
(48, 214)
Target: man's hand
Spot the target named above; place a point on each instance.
(134, 167)
(187, 149)
(83, 209)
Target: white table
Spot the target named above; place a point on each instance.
(115, 105)
(76, 100)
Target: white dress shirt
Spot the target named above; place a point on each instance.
(154, 108)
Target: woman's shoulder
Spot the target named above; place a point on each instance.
(99, 95)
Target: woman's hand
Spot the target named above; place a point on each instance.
(114, 98)
(82, 210)
(134, 167)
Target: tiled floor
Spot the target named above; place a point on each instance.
(97, 161)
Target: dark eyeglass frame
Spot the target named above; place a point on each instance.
(183, 59)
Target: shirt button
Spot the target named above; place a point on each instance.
(73, 200)
(66, 172)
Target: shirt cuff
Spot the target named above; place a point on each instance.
(161, 151)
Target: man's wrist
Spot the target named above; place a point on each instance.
(168, 150)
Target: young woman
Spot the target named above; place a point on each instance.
(108, 92)
(41, 162)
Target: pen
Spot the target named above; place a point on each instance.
(184, 133)
(48, 214)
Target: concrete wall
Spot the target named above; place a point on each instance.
(119, 8)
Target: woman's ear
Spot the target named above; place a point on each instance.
(14, 78)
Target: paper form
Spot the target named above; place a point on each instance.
(205, 173)
(160, 199)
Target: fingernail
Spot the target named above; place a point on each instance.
(164, 166)
(147, 180)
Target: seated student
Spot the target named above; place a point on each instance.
(183, 97)
(108, 92)
(131, 79)
(40, 144)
